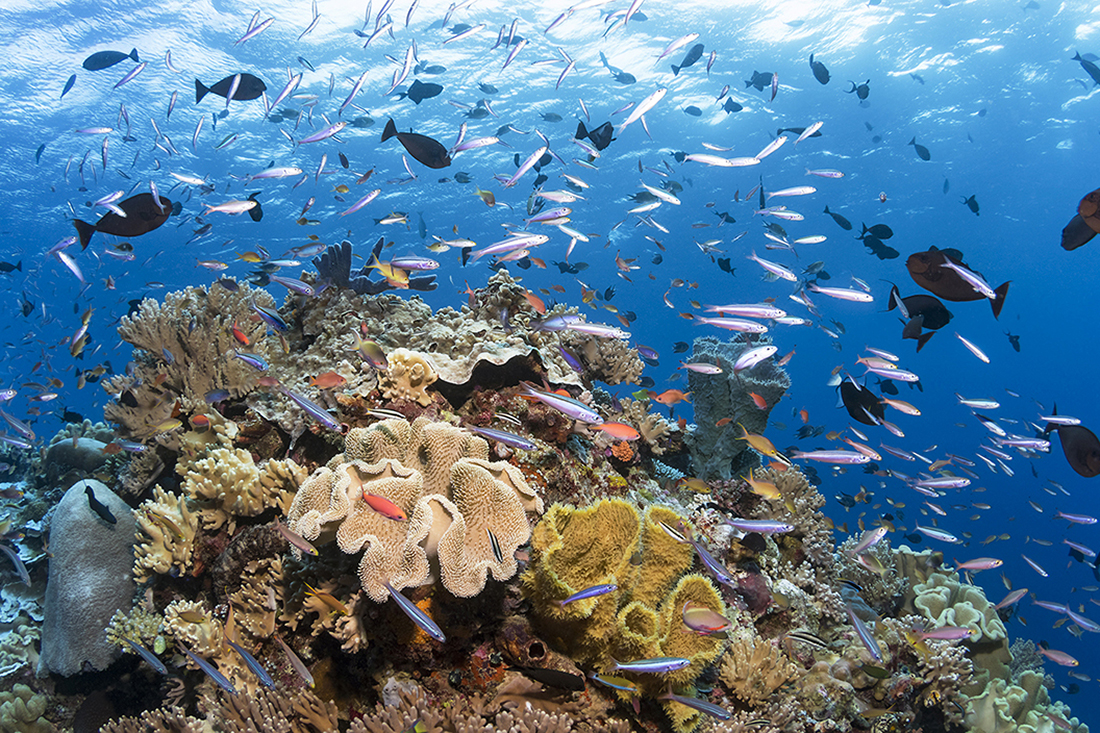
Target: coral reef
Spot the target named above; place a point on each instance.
(22, 710)
(717, 452)
(453, 498)
(408, 377)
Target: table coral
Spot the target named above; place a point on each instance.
(452, 496)
(460, 341)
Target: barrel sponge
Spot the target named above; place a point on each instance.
(679, 641)
(90, 578)
(408, 377)
(663, 558)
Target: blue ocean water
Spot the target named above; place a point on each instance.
(990, 90)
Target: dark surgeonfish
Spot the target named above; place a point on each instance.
(929, 270)
(99, 507)
(420, 91)
(820, 72)
(249, 87)
(881, 231)
(1081, 447)
(1014, 340)
(600, 137)
(426, 150)
(922, 152)
(920, 312)
(972, 204)
(840, 220)
(861, 403)
(257, 211)
(731, 106)
(861, 90)
(1085, 224)
(106, 59)
(694, 54)
(760, 80)
(143, 215)
(1090, 68)
(620, 76)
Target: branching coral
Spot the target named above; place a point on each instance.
(188, 338)
(453, 498)
(653, 428)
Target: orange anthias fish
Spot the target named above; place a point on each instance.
(395, 276)
(618, 430)
(670, 397)
(328, 380)
(535, 302)
(760, 402)
(240, 335)
(804, 415)
(385, 507)
(766, 489)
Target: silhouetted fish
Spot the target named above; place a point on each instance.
(731, 106)
(760, 80)
(1090, 68)
(420, 91)
(106, 59)
(694, 54)
(426, 150)
(820, 72)
(600, 137)
(249, 87)
(861, 90)
(840, 220)
(1014, 340)
(142, 216)
(972, 204)
(922, 152)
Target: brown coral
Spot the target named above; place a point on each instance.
(754, 668)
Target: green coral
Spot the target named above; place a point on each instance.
(139, 626)
(608, 542)
(21, 711)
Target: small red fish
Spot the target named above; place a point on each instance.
(804, 415)
(760, 402)
(240, 335)
(385, 507)
(200, 421)
(670, 397)
(618, 430)
(723, 422)
(328, 380)
(785, 358)
(535, 302)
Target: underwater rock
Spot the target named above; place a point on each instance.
(90, 579)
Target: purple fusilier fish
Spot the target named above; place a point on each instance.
(761, 526)
(312, 409)
(503, 436)
(419, 618)
(565, 405)
(254, 665)
(864, 634)
(656, 665)
(590, 592)
(717, 569)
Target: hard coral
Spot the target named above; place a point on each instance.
(408, 377)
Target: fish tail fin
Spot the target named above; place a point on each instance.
(923, 339)
(200, 91)
(85, 231)
(134, 55)
(748, 83)
(19, 265)
(675, 70)
(999, 302)
(913, 141)
(1076, 56)
(827, 209)
(582, 131)
(389, 131)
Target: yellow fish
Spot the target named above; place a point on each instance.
(395, 275)
(762, 445)
(766, 489)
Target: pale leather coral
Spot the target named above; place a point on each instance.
(226, 483)
(166, 535)
(754, 668)
(408, 377)
(452, 496)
